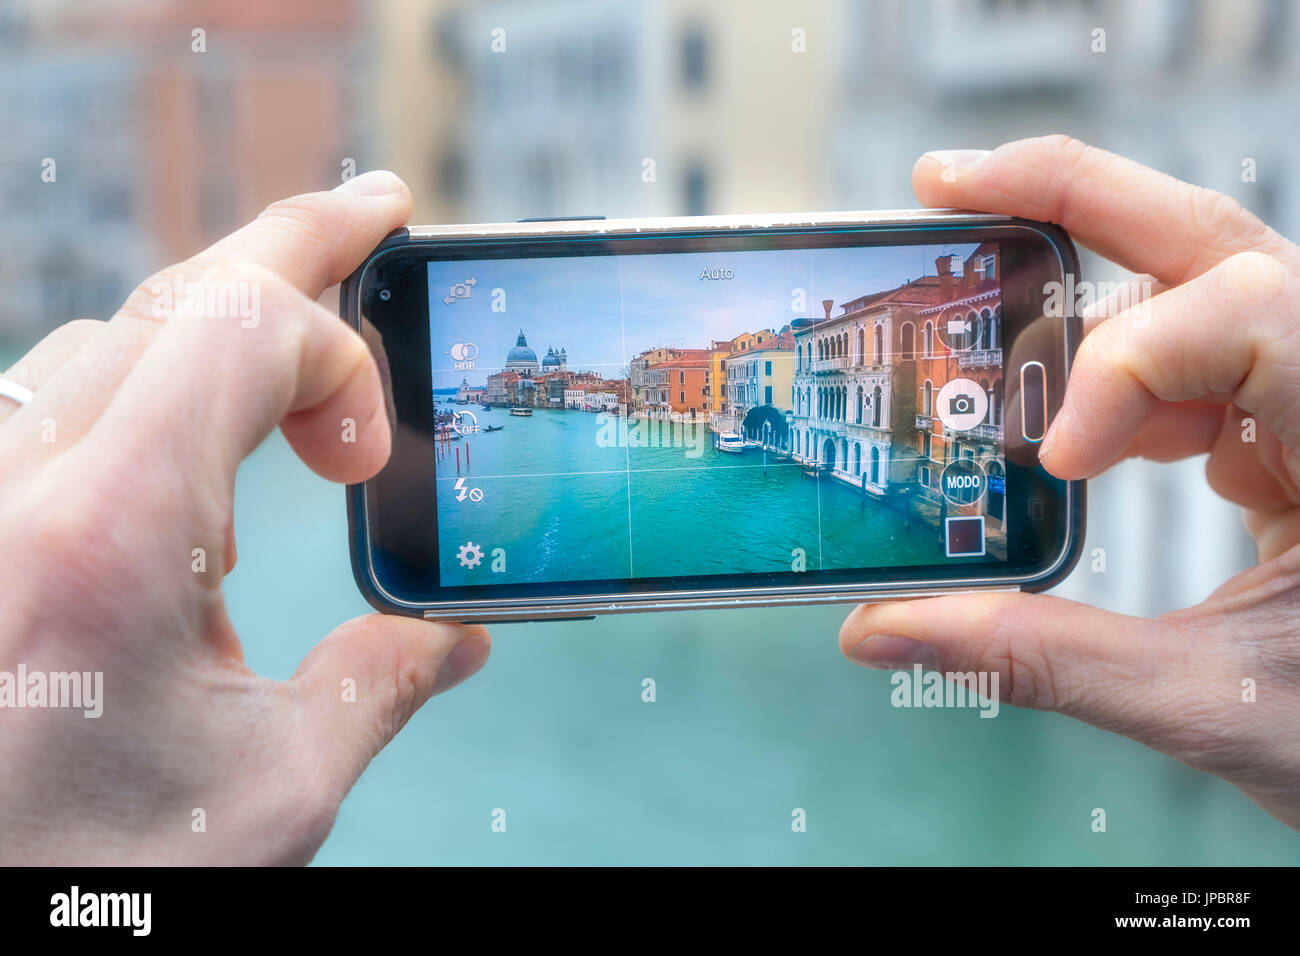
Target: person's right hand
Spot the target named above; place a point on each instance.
(1172, 377)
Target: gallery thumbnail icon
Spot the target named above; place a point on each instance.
(964, 536)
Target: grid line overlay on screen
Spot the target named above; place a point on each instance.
(821, 557)
(627, 449)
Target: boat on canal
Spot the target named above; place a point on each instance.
(731, 443)
(521, 412)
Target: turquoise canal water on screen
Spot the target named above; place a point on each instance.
(567, 499)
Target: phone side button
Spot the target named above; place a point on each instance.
(1033, 401)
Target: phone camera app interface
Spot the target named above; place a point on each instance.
(692, 414)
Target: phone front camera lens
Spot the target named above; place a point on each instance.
(385, 295)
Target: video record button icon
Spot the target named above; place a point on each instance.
(964, 536)
(960, 332)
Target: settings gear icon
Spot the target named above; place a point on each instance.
(470, 555)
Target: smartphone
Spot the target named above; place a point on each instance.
(596, 416)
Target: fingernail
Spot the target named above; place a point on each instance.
(1045, 446)
(377, 182)
(463, 661)
(1059, 425)
(888, 651)
(953, 159)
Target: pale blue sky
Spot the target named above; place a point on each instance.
(605, 309)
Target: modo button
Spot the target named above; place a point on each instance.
(963, 482)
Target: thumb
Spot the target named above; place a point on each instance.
(360, 685)
(1134, 676)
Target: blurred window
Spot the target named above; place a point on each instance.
(697, 191)
(452, 182)
(217, 206)
(110, 202)
(1271, 40)
(695, 58)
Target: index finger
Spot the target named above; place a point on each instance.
(312, 241)
(1145, 220)
(253, 350)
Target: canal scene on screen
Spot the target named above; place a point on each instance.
(696, 414)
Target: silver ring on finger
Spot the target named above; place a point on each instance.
(20, 394)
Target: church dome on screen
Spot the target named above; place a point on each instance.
(521, 357)
(550, 360)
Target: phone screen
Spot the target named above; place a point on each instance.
(725, 412)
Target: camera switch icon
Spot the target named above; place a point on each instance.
(460, 290)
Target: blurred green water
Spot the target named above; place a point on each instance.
(756, 714)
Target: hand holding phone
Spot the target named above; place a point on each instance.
(1204, 366)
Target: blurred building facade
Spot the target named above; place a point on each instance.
(141, 141)
(501, 110)
(509, 108)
